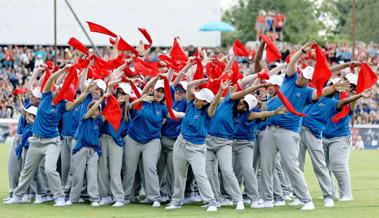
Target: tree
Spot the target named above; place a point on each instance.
(302, 19)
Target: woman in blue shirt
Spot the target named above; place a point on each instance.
(85, 154)
(144, 139)
(112, 146)
(190, 148)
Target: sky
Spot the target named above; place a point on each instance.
(225, 4)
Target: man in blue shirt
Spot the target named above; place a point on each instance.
(45, 142)
(282, 132)
(319, 113)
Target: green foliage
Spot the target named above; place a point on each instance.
(301, 24)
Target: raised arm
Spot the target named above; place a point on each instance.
(95, 106)
(258, 57)
(291, 68)
(242, 93)
(351, 99)
(265, 114)
(182, 73)
(30, 84)
(339, 86)
(150, 84)
(339, 67)
(54, 77)
(212, 108)
(191, 88)
(78, 100)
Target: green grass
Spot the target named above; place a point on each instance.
(365, 182)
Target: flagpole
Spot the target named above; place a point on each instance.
(82, 27)
(353, 30)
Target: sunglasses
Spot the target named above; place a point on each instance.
(180, 90)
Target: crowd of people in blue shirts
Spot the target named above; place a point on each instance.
(202, 148)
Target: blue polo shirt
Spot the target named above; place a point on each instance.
(195, 124)
(48, 116)
(223, 123)
(299, 98)
(118, 135)
(22, 121)
(82, 110)
(245, 129)
(26, 133)
(171, 128)
(340, 129)
(70, 121)
(319, 113)
(89, 134)
(147, 123)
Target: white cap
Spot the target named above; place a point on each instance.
(335, 80)
(37, 92)
(251, 100)
(352, 78)
(159, 84)
(183, 84)
(276, 80)
(31, 110)
(308, 72)
(101, 84)
(125, 87)
(204, 94)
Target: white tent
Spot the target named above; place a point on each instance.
(31, 22)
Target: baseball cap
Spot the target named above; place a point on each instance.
(159, 84)
(251, 100)
(31, 110)
(276, 80)
(205, 95)
(37, 92)
(101, 84)
(352, 78)
(125, 87)
(182, 84)
(308, 72)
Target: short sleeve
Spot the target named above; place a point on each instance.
(309, 94)
(47, 95)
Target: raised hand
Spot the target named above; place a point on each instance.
(342, 85)
(308, 45)
(147, 98)
(225, 84)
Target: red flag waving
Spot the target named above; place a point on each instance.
(78, 45)
(20, 91)
(45, 78)
(147, 37)
(93, 27)
(239, 49)
(168, 98)
(366, 78)
(124, 46)
(70, 85)
(236, 75)
(145, 68)
(345, 110)
(322, 72)
(170, 63)
(272, 52)
(112, 112)
(287, 103)
(138, 95)
(264, 75)
(177, 52)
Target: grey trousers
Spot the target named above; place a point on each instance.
(37, 186)
(243, 155)
(68, 183)
(337, 154)
(109, 169)
(286, 142)
(165, 166)
(67, 143)
(185, 154)
(85, 161)
(312, 144)
(220, 149)
(39, 147)
(150, 156)
(14, 165)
